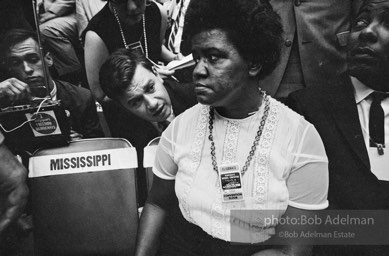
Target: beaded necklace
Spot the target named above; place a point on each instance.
(122, 34)
(256, 140)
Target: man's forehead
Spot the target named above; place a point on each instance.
(136, 87)
(374, 8)
(27, 46)
(140, 81)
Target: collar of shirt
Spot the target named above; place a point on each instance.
(171, 117)
(361, 91)
(378, 163)
(169, 120)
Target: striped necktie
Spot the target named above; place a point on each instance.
(175, 26)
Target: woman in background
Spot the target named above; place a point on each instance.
(133, 24)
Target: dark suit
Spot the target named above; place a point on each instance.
(140, 132)
(333, 111)
(81, 105)
(321, 28)
(331, 108)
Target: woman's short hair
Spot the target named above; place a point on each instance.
(252, 26)
(118, 70)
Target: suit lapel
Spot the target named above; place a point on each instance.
(343, 108)
(65, 96)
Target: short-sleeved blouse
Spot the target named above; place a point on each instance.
(106, 27)
(289, 167)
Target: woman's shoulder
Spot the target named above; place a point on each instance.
(291, 128)
(152, 7)
(287, 117)
(98, 21)
(153, 12)
(189, 114)
(101, 16)
(191, 117)
(184, 125)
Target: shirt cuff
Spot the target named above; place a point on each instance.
(321, 206)
(163, 176)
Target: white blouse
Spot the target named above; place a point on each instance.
(290, 167)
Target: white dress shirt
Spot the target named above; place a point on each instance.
(363, 101)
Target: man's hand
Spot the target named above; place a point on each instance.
(14, 89)
(46, 16)
(75, 135)
(164, 72)
(13, 188)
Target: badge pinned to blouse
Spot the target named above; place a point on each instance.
(231, 182)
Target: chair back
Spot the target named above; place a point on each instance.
(84, 198)
(148, 160)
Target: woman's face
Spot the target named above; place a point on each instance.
(129, 11)
(221, 72)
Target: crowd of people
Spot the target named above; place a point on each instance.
(284, 112)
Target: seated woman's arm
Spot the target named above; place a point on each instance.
(292, 249)
(153, 216)
(13, 188)
(308, 187)
(95, 54)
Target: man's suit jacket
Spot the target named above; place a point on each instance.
(140, 132)
(322, 28)
(331, 108)
(82, 107)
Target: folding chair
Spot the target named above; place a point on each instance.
(148, 160)
(84, 198)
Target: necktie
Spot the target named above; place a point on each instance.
(377, 122)
(175, 26)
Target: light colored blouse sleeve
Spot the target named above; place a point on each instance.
(308, 180)
(164, 165)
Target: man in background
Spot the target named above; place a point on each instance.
(351, 115)
(58, 26)
(315, 40)
(150, 103)
(21, 57)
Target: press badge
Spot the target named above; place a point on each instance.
(379, 163)
(231, 182)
